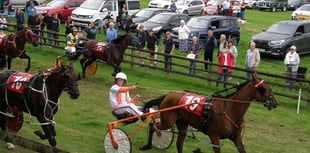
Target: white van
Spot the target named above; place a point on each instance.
(96, 10)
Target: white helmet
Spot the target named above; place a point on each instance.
(121, 75)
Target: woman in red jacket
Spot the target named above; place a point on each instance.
(226, 62)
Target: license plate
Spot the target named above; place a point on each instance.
(261, 50)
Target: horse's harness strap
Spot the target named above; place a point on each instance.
(27, 91)
(229, 119)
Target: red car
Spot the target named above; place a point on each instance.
(212, 7)
(63, 8)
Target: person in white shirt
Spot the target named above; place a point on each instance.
(226, 5)
(120, 100)
(291, 63)
(183, 36)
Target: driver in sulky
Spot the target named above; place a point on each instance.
(120, 100)
(73, 41)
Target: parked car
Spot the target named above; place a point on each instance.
(278, 38)
(220, 25)
(252, 3)
(146, 14)
(273, 5)
(163, 22)
(160, 3)
(63, 8)
(294, 4)
(190, 7)
(302, 13)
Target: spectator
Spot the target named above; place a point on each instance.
(233, 50)
(105, 22)
(48, 22)
(80, 33)
(3, 22)
(31, 7)
(19, 19)
(33, 22)
(193, 49)
(73, 41)
(226, 5)
(225, 58)
(55, 28)
(173, 7)
(291, 63)
(236, 9)
(128, 24)
(209, 46)
(151, 44)
(7, 7)
(111, 33)
(242, 12)
(69, 25)
(91, 31)
(41, 26)
(222, 43)
(252, 60)
(183, 32)
(141, 35)
(120, 100)
(168, 50)
(124, 13)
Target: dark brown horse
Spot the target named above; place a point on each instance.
(37, 95)
(111, 53)
(219, 118)
(13, 46)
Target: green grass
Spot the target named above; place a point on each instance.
(81, 124)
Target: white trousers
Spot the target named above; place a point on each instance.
(130, 108)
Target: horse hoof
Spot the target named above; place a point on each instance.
(52, 142)
(10, 145)
(26, 70)
(146, 147)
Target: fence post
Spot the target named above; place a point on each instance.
(132, 59)
(308, 99)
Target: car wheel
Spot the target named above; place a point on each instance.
(254, 6)
(234, 39)
(284, 8)
(273, 9)
(166, 7)
(185, 12)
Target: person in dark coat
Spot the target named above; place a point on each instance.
(209, 46)
(20, 19)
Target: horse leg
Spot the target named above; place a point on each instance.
(238, 143)
(149, 141)
(82, 62)
(9, 62)
(117, 69)
(215, 140)
(182, 129)
(28, 58)
(48, 134)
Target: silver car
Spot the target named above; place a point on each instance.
(190, 7)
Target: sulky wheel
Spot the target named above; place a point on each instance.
(122, 141)
(162, 139)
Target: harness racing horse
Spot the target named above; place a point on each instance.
(37, 95)
(217, 117)
(111, 53)
(13, 45)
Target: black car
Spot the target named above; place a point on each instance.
(163, 22)
(294, 4)
(146, 14)
(278, 38)
(220, 24)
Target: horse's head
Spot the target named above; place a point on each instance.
(31, 37)
(264, 93)
(70, 78)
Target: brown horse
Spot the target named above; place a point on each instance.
(111, 53)
(219, 117)
(13, 46)
(37, 95)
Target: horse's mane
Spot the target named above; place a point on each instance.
(119, 39)
(154, 102)
(238, 87)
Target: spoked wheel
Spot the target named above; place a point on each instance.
(121, 139)
(162, 139)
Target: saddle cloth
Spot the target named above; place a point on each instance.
(196, 101)
(16, 82)
(100, 47)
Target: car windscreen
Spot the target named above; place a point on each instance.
(304, 8)
(144, 13)
(56, 4)
(282, 28)
(182, 2)
(197, 23)
(92, 4)
(160, 18)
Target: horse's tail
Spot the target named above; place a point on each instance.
(153, 102)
